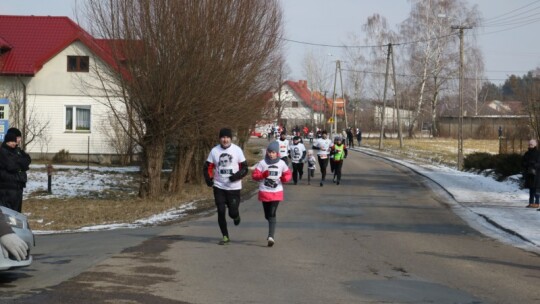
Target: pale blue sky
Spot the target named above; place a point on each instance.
(506, 51)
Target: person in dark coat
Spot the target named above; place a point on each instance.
(13, 167)
(529, 164)
(350, 138)
(24, 160)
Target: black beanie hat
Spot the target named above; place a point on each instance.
(15, 131)
(225, 132)
(10, 137)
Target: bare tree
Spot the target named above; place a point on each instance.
(182, 70)
(433, 55)
(23, 114)
(280, 100)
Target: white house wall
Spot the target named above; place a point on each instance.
(51, 90)
(288, 96)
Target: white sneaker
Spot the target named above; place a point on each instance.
(270, 241)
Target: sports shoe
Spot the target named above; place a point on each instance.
(270, 241)
(321, 184)
(237, 221)
(225, 240)
(337, 183)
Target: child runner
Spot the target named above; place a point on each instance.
(297, 153)
(271, 172)
(312, 161)
(339, 150)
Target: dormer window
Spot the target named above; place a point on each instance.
(78, 63)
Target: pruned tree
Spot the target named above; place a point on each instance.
(182, 70)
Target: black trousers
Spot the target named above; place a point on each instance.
(226, 199)
(323, 163)
(337, 169)
(297, 171)
(270, 209)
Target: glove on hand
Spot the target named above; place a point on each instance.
(266, 174)
(14, 244)
(210, 182)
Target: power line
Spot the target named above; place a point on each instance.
(517, 9)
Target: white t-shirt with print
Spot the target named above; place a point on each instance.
(324, 146)
(297, 151)
(226, 163)
(273, 182)
(283, 147)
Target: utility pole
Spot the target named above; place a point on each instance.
(396, 100)
(460, 121)
(383, 110)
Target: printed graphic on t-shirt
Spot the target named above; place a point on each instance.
(296, 153)
(273, 176)
(225, 165)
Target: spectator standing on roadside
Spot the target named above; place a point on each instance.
(13, 167)
(359, 136)
(10, 242)
(24, 161)
(298, 155)
(271, 172)
(283, 147)
(529, 165)
(223, 170)
(350, 138)
(322, 145)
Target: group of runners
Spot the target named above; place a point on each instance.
(226, 165)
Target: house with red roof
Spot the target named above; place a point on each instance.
(48, 72)
(304, 107)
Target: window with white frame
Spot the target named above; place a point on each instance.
(77, 118)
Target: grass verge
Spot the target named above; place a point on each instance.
(114, 208)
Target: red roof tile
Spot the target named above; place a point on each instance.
(314, 99)
(36, 39)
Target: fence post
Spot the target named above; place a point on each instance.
(49, 178)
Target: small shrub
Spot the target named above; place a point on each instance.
(503, 165)
(479, 160)
(61, 157)
(508, 164)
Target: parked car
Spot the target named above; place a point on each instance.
(19, 225)
(258, 134)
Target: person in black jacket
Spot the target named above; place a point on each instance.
(529, 164)
(13, 166)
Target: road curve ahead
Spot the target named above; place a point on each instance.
(382, 236)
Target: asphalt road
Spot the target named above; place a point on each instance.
(382, 236)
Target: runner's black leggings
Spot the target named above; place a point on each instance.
(323, 163)
(270, 209)
(298, 171)
(337, 169)
(226, 199)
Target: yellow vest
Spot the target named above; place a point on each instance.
(339, 153)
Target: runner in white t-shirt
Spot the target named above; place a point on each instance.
(283, 147)
(322, 145)
(223, 170)
(298, 155)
